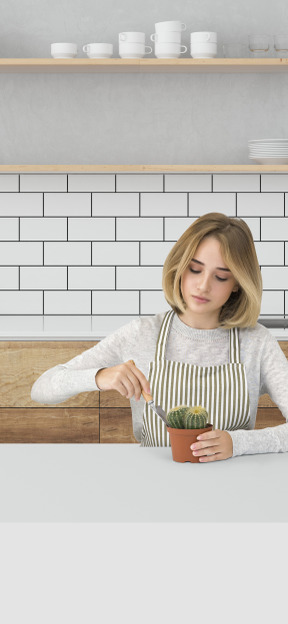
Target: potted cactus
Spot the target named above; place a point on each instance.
(185, 424)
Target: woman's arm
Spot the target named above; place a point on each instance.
(274, 381)
(78, 375)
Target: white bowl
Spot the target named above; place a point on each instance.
(99, 56)
(133, 50)
(206, 36)
(174, 26)
(63, 55)
(98, 50)
(63, 50)
(132, 37)
(175, 48)
(204, 47)
(202, 55)
(203, 50)
(168, 36)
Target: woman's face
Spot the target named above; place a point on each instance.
(206, 285)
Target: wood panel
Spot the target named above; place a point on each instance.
(49, 425)
(116, 425)
(23, 362)
(266, 401)
(111, 398)
(118, 65)
(268, 417)
(284, 346)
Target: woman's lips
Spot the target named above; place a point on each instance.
(200, 299)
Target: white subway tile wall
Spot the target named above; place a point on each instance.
(91, 247)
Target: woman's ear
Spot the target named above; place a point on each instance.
(236, 288)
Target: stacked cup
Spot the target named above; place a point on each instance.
(132, 45)
(167, 39)
(203, 44)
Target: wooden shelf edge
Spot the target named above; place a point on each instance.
(143, 168)
(143, 64)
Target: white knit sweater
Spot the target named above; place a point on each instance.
(266, 369)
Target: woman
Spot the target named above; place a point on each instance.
(207, 349)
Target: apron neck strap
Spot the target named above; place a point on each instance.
(234, 346)
(163, 335)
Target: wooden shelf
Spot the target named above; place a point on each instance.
(116, 65)
(143, 168)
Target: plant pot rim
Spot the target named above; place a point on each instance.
(188, 431)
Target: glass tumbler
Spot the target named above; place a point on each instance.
(281, 45)
(258, 45)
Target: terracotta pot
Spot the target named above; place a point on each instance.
(181, 440)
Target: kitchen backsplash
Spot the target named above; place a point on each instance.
(88, 249)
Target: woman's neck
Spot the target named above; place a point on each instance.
(199, 322)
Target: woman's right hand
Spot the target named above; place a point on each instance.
(126, 378)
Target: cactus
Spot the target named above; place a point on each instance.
(175, 417)
(185, 417)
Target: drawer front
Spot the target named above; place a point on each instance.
(23, 362)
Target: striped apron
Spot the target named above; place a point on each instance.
(222, 390)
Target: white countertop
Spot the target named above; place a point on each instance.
(129, 483)
(74, 327)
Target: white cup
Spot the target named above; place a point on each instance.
(63, 50)
(203, 50)
(98, 50)
(204, 37)
(170, 26)
(169, 50)
(259, 45)
(132, 37)
(166, 36)
(133, 50)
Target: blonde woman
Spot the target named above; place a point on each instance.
(206, 349)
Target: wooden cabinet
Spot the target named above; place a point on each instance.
(81, 419)
(90, 417)
(21, 419)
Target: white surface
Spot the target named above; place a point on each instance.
(128, 483)
(77, 327)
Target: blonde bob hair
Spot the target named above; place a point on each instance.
(237, 247)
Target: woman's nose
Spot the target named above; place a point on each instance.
(204, 282)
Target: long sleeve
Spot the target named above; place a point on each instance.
(135, 340)
(274, 381)
(78, 375)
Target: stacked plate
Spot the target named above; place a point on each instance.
(269, 151)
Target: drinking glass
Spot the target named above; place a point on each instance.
(258, 45)
(281, 45)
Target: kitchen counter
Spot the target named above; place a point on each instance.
(88, 328)
(128, 483)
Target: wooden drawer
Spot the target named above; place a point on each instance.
(111, 398)
(49, 425)
(23, 362)
(116, 425)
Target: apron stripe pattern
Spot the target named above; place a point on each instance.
(222, 390)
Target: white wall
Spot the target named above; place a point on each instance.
(88, 249)
(135, 118)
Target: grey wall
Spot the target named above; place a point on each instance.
(135, 118)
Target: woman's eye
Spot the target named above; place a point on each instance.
(221, 279)
(194, 270)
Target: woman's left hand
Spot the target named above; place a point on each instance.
(217, 442)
